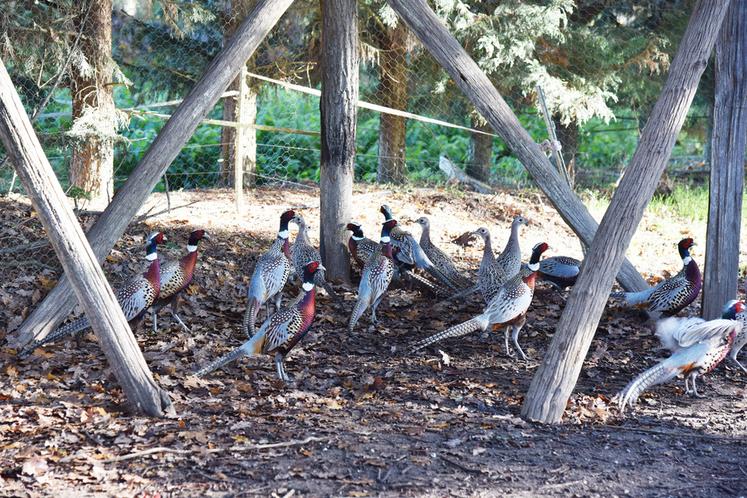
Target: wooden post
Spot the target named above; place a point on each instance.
(555, 379)
(238, 147)
(727, 163)
(338, 126)
(175, 133)
(69, 242)
(478, 88)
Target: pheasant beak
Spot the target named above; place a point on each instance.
(321, 267)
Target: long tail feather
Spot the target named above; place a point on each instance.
(360, 307)
(249, 348)
(250, 316)
(633, 298)
(658, 374)
(480, 322)
(71, 328)
(462, 294)
(426, 284)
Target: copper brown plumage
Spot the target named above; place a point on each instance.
(507, 308)
(280, 333)
(269, 275)
(175, 277)
(134, 297)
(671, 295)
(376, 277)
(697, 348)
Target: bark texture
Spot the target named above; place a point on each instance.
(393, 93)
(480, 152)
(338, 109)
(92, 163)
(76, 256)
(555, 379)
(239, 148)
(729, 135)
(175, 133)
(424, 23)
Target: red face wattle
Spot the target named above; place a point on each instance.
(390, 224)
(287, 216)
(159, 238)
(739, 306)
(312, 266)
(686, 243)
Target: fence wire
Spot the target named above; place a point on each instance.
(101, 84)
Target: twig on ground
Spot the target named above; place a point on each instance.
(251, 447)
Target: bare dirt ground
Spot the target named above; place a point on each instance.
(361, 416)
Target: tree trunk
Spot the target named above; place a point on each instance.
(475, 84)
(393, 92)
(727, 163)
(69, 242)
(568, 138)
(244, 105)
(480, 152)
(169, 142)
(92, 163)
(554, 381)
(338, 126)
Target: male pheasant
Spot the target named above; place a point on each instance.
(407, 251)
(281, 331)
(269, 276)
(302, 252)
(361, 247)
(672, 295)
(697, 348)
(737, 310)
(507, 308)
(135, 297)
(440, 259)
(376, 277)
(175, 277)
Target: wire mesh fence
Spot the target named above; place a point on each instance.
(101, 80)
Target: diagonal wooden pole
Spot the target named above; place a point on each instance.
(169, 142)
(555, 379)
(76, 256)
(477, 87)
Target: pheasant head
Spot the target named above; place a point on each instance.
(518, 221)
(386, 229)
(387, 212)
(309, 270)
(482, 232)
(423, 222)
(684, 249)
(195, 237)
(356, 229)
(151, 245)
(537, 251)
(285, 218)
(732, 309)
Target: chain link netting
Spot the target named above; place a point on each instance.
(600, 64)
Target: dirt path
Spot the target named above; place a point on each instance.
(361, 417)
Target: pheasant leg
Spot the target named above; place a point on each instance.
(508, 348)
(515, 340)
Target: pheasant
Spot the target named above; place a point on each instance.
(175, 277)
(377, 275)
(559, 271)
(302, 252)
(360, 246)
(507, 308)
(737, 310)
(280, 332)
(494, 272)
(269, 276)
(439, 258)
(697, 348)
(407, 251)
(672, 295)
(135, 297)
